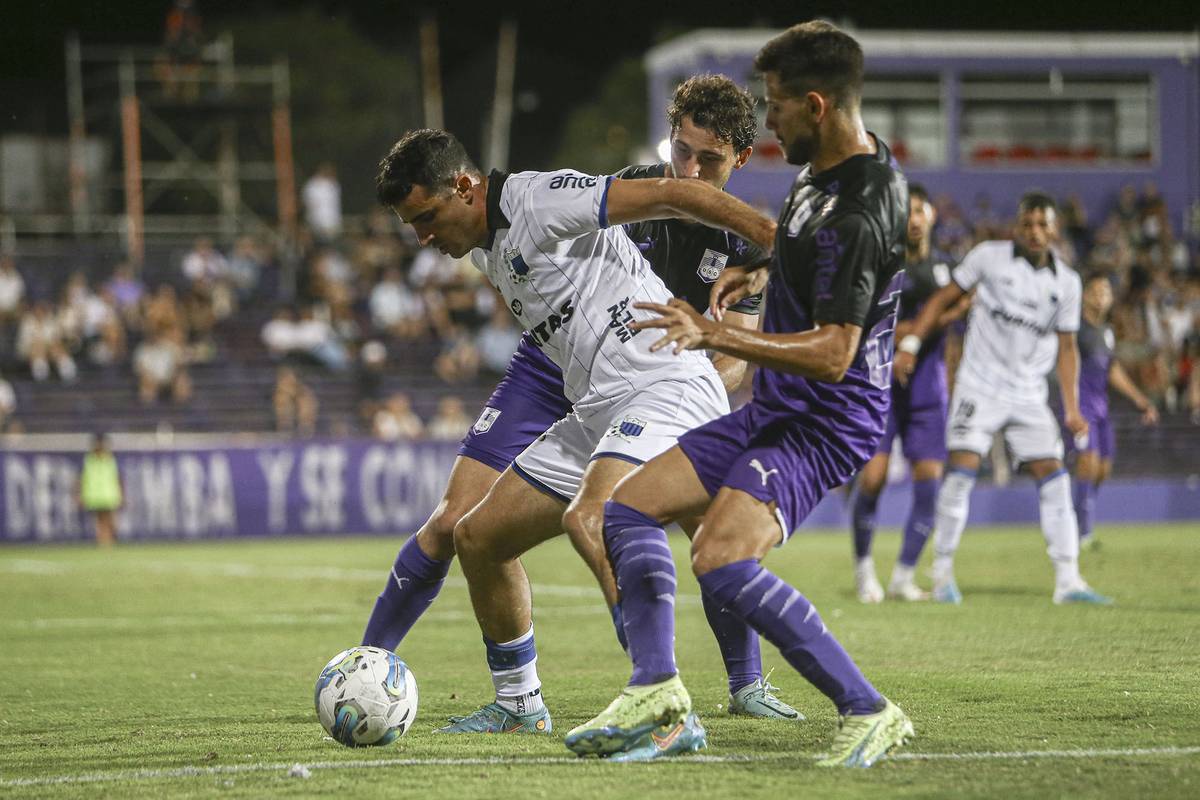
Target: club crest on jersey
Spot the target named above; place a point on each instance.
(518, 270)
(711, 264)
(486, 420)
(628, 428)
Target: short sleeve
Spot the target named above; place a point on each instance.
(848, 261)
(969, 271)
(558, 205)
(1067, 318)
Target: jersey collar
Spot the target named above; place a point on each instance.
(1053, 262)
(495, 216)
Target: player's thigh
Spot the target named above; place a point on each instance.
(665, 488)
(1087, 465)
(1033, 434)
(974, 418)
(736, 527)
(514, 517)
(874, 474)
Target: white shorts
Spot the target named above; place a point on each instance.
(1030, 429)
(635, 428)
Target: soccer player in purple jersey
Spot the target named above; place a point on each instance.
(713, 127)
(918, 417)
(819, 408)
(1097, 371)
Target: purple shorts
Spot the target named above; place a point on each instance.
(922, 432)
(526, 402)
(772, 457)
(1101, 438)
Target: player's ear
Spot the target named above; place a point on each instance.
(817, 105)
(463, 185)
(740, 160)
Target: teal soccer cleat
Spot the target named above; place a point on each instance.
(668, 740)
(758, 700)
(947, 593)
(494, 718)
(1084, 595)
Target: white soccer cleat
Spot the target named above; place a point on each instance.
(870, 590)
(906, 590)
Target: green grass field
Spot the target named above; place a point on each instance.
(187, 670)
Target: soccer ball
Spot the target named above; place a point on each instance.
(366, 696)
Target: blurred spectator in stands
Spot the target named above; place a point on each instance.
(199, 318)
(160, 364)
(1190, 371)
(1138, 332)
(246, 267)
(163, 314)
(8, 403)
(103, 331)
(128, 294)
(295, 404)
(497, 341)
(380, 247)
(459, 360)
(985, 222)
(323, 203)
(1127, 209)
(451, 422)
(395, 308)
(40, 342)
(332, 278)
(1075, 229)
(368, 379)
(205, 268)
(179, 66)
(12, 291)
(396, 420)
(306, 338)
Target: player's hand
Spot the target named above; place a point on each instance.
(903, 365)
(686, 328)
(1150, 415)
(733, 285)
(1076, 424)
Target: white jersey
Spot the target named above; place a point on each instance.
(572, 282)
(1017, 314)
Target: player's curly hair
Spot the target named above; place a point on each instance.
(717, 104)
(815, 56)
(426, 157)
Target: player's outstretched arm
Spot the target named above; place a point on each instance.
(1068, 382)
(823, 353)
(665, 198)
(925, 323)
(1119, 379)
(734, 285)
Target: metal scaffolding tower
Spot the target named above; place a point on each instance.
(205, 147)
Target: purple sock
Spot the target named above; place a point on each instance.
(415, 581)
(792, 624)
(920, 521)
(641, 558)
(1084, 492)
(864, 523)
(738, 643)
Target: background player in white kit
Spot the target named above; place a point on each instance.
(1023, 324)
(543, 240)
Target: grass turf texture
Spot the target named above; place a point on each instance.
(164, 657)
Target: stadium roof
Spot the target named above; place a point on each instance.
(684, 50)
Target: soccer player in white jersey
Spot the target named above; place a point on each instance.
(544, 241)
(1022, 325)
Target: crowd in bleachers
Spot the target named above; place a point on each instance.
(358, 295)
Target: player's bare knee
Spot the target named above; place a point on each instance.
(436, 536)
(584, 521)
(469, 542)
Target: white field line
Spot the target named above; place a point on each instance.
(240, 769)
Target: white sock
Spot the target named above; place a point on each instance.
(1060, 529)
(953, 504)
(519, 690)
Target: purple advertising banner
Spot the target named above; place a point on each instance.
(266, 490)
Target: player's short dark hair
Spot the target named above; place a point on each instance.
(815, 56)
(717, 104)
(426, 157)
(917, 191)
(1036, 200)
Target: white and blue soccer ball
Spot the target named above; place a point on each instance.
(366, 696)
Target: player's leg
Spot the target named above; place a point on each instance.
(584, 523)
(924, 442)
(1035, 441)
(867, 488)
(738, 531)
(424, 560)
(1085, 482)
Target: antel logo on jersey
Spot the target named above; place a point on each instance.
(542, 332)
(518, 270)
(628, 428)
(711, 265)
(572, 182)
(828, 256)
(486, 420)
